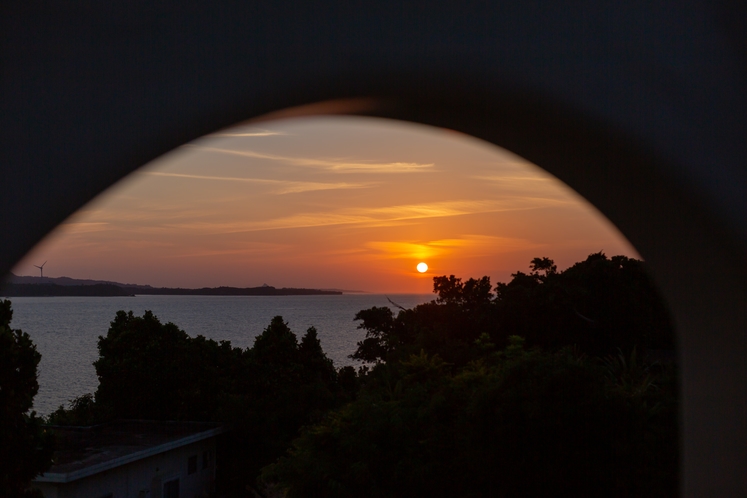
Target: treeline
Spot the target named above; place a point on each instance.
(545, 385)
(598, 306)
(264, 394)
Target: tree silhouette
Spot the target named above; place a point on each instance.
(26, 447)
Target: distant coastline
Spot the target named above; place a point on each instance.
(15, 286)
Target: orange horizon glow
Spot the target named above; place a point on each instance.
(326, 202)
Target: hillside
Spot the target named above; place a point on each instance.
(17, 286)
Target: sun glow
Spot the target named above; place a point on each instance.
(422, 267)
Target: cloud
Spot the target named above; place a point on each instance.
(536, 184)
(374, 217)
(252, 249)
(283, 187)
(514, 179)
(486, 244)
(333, 165)
(258, 133)
(83, 227)
(404, 250)
(472, 245)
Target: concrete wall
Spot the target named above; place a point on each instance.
(145, 478)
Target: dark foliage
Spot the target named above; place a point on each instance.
(81, 411)
(150, 370)
(517, 423)
(447, 326)
(285, 386)
(25, 445)
(536, 390)
(264, 394)
(598, 306)
(537, 387)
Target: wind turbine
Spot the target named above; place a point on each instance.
(41, 269)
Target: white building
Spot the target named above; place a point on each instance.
(133, 459)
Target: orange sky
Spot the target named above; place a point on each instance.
(331, 202)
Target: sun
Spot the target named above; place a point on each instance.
(422, 267)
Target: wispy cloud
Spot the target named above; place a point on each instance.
(258, 133)
(249, 250)
(283, 187)
(473, 245)
(374, 217)
(333, 165)
(487, 244)
(537, 184)
(83, 227)
(514, 179)
(404, 250)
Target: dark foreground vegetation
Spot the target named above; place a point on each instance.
(545, 386)
(25, 445)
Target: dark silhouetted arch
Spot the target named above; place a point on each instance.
(639, 106)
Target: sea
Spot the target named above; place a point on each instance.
(66, 329)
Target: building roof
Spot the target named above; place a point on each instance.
(84, 451)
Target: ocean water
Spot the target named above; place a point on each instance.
(66, 329)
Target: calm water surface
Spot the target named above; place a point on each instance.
(66, 329)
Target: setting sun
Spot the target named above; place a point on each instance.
(422, 267)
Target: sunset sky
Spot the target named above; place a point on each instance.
(326, 202)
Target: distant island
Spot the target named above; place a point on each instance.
(17, 286)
